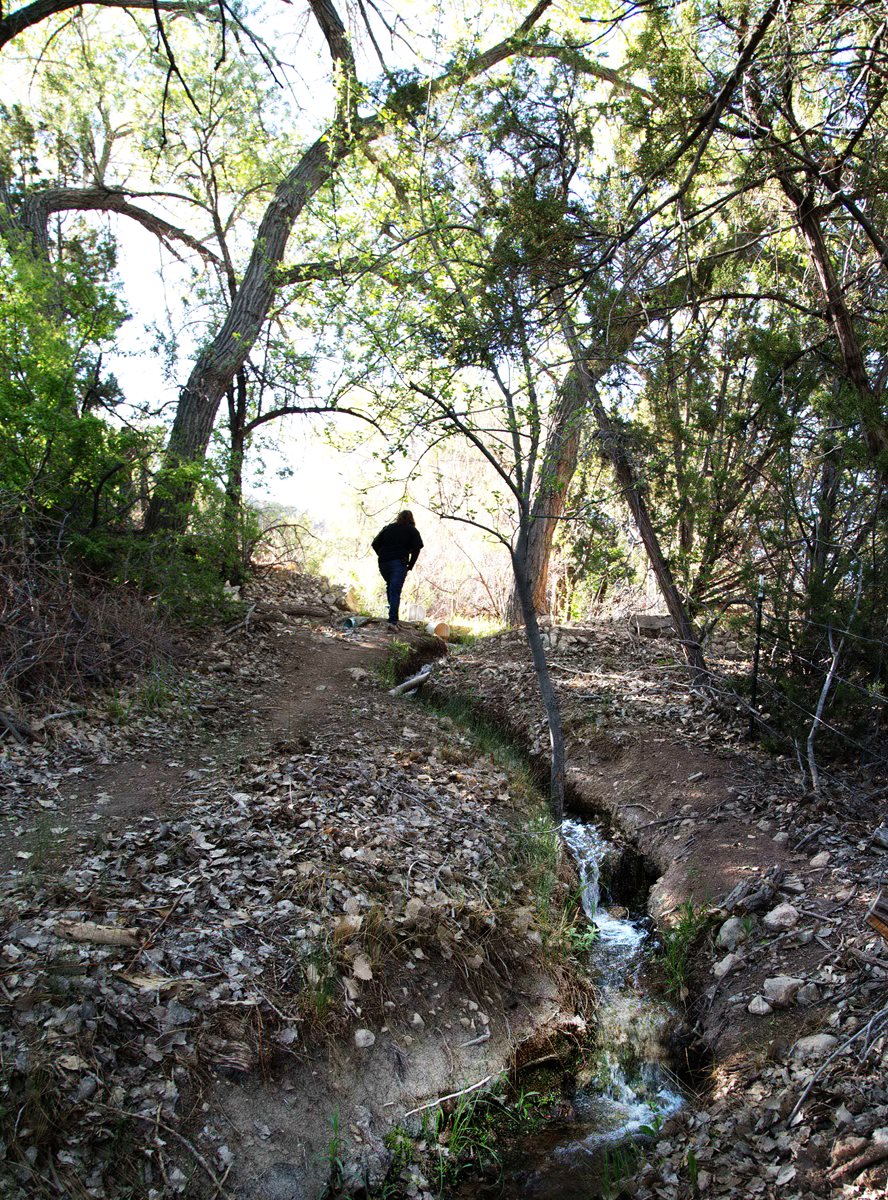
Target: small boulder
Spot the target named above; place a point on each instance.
(726, 965)
(808, 995)
(364, 1039)
(758, 1006)
(784, 916)
(880, 837)
(732, 933)
(821, 859)
(818, 1045)
(780, 990)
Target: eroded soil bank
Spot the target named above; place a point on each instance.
(252, 924)
(785, 987)
(259, 915)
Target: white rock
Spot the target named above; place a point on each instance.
(807, 995)
(732, 933)
(880, 837)
(818, 1045)
(758, 1006)
(724, 966)
(781, 838)
(780, 990)
(821, 859)
(784, 916)
(364, 1038)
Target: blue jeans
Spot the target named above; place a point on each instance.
(394, 572)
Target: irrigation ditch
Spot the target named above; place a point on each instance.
(576, 1122)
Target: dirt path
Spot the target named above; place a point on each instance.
(288, 682)
(289, 901)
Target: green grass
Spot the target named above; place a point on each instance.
(466, 1137)
(392, 670)
(677, 942)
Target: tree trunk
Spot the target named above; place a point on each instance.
(869, 407)
(230, 348)
(544, 679)
(234, 485)
(613, 445)
(228, 352)
(559, 463)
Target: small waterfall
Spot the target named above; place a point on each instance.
(629, 1088)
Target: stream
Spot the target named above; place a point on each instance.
(629, 1090)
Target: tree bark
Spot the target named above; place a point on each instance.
(32, 14)
(562, 446)
(229, 349)
(613, 445)
(872, 418)
(544, 679)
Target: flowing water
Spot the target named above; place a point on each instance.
(631, 1090)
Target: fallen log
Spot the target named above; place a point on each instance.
(20, 730)
(276, 612)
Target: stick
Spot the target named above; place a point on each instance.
(453, 1095)
(835, 1054)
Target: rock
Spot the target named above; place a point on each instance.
(732, 933)
(880, 837)
(724, 966)
(808, 995)
(758, 1006)
(364, 1039)
(821, 859)
(784, 916)
(754, 895)
(818, 1045)
(780, 990)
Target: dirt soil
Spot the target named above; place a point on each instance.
(259, 911)
(247, 930)
(788, 987)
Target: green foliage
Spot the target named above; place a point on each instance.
(56, 451)
(678, 941)
(395, 667)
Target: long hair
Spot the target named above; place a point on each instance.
(405, 517)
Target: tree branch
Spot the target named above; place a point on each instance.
(32, 14)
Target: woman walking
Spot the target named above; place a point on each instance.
(397, 547)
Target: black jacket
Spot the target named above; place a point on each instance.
(398, 542)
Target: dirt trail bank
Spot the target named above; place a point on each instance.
(275, 915)
(786, 985)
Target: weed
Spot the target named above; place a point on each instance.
(392, 670)
(118, 709)
(319, 984)
(677, 942)
(333, 1186)
(464, 1140)
(43, 844)
(158, 690)
(618, 1163)
(693, 1169)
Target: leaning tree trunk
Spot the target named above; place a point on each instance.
(227, 353)
(559, 462)
(544, 679)
(229, 349)
(613, 445)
